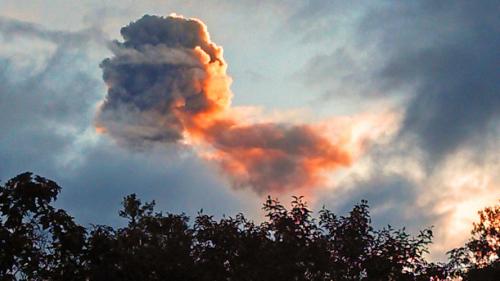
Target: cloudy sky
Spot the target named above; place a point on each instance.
(396, 103)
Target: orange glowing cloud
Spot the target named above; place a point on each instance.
(273, 156)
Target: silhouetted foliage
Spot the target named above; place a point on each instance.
(479, 258)
(39, 242)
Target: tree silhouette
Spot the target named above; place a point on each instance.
(151, 247)
(40, 242)
(479, 258)
(37, 241)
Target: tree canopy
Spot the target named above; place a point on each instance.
(40, 242)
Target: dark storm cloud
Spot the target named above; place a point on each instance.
(455, 70)
(442, 55)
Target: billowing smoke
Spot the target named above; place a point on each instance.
(274, 156)
(167, 83)
(162, 79)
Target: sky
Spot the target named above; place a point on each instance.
(214, 105)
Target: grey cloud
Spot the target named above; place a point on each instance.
(43, 111)
(12, 28)
(317, 20)
(391, 198)
(338, 75)
(93, 192)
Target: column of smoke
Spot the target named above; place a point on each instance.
(167, 83)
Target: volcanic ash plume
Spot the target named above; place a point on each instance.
(163, 79)
(167, 83)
